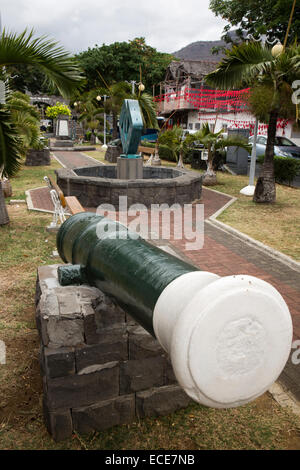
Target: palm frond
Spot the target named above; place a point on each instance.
(60, 69)
(241, 65)
(11, 145)
(148, 110)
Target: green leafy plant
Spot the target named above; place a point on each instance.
(285, 168)
(215, 142)
(174, 146)
(59, 109)
(26, 118)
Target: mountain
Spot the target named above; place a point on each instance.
(201, 50)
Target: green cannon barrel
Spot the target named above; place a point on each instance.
(107, 255)
(228, 338)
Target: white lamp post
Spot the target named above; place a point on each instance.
(99, 98)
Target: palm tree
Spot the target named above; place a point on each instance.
(253, 64)
(116, 94)
(26, 119)
(91, 117)
(59, 68)
(11, 153)
(214, 141)
(174, 141)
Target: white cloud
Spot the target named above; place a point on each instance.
(167, 25)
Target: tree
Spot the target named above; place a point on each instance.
(116, 94)
(121, 61)
(28, 79)
(60, 69)
(175, 141)
(26, 119)
(11, 152)
(253, 64)
(91, 115)
(257, 17)
(214, 141)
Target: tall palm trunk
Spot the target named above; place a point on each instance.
(4, 219)
(210, 177)
(265, 190)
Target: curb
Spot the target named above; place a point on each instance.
(284, 398)
(285, 259)
(58, 160)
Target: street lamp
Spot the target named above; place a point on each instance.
(277, 50)
(250, 189)
(99, 98)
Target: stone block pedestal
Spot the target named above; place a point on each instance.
(38, 157)
(99, 367)
(129, 168)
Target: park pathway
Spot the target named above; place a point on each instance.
(75, 159)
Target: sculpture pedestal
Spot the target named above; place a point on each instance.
(129, 168)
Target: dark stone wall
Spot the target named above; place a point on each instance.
(113, 152)
(38, 157)
(160, 185)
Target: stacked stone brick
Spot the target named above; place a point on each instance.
(99, 368)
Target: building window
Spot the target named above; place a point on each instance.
(197, 126)
(191, 125)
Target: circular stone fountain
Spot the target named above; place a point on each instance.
(105, 184)
(99, 185)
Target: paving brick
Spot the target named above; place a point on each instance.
(113, 347)
(142, 345)
(59, 423)
(59, 362)
(80, 390)
(161, 401)
(141, 374)
(104, 415)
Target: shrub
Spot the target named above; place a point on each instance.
(285, 168)
(146, 143)
(100, 136)
(165, 153)
(59, 109)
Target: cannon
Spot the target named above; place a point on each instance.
(228, 338)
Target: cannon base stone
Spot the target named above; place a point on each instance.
(99, 367)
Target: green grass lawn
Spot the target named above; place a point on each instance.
(276, 225)
(25, 245)
(31, 177)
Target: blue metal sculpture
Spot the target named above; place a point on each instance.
(131, 128)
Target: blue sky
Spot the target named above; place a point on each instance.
(167, 25)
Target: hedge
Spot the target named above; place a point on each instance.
(285, 168)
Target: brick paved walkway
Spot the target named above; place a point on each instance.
(226, 254)
(75, 159)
